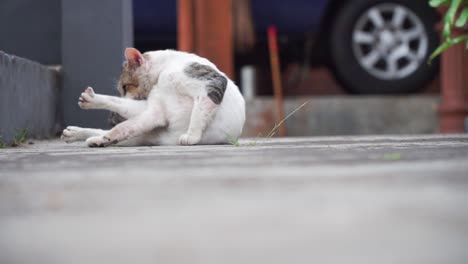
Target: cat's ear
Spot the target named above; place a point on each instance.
(134, 57)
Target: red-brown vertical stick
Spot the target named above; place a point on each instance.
(276, 78)
(453, 108)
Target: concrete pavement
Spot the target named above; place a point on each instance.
(383, 199)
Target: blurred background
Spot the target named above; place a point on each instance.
(326, 46)
(360, 64)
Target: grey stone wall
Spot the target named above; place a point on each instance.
(94, 37)
(347, 115)
(29, 97)
(31, 29)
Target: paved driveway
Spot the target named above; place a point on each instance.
(386, 199)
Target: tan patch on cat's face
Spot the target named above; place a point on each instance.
(129, 84)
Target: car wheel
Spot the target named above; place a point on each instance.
(382, 46)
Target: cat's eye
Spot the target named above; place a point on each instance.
(124, 88)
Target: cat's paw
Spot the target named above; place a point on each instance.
(188, 139)
(88, 99)
(72, 134)
(98, 141)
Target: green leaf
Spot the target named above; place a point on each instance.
(452, 11)
(444, 46)
(461, 21)
(447, 31)
(437, 3)
(450, 18)
(439, 50)
(460, 39)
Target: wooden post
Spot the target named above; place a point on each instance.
(205, 28)
(454, 91)
(185, 27)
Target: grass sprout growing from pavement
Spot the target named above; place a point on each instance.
(2, 144)
(392, 156)
(21, 135)
(277, 126)
(235, 141)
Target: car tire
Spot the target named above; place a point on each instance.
(382, 46)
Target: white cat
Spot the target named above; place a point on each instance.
(168, 97)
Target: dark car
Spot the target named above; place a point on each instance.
(372, 46)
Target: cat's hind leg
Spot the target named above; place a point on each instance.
(206, 103)
(73, 133)
(202, 113)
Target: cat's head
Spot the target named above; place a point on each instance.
(134, 82)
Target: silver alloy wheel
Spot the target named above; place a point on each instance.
(390, 41)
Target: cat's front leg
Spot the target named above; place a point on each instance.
(127, 108)
(90, 100)
(73, 133)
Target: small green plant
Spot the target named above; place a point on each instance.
(275, 128)
(20, 137)
(392, 156)
(2, 144)
(235, 142)
(451, 20)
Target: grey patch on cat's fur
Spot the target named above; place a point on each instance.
(115, 119)
(217, 83)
